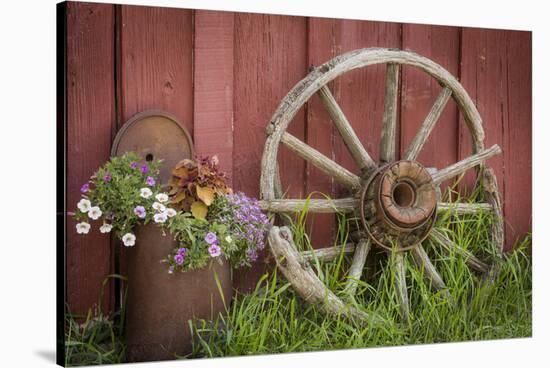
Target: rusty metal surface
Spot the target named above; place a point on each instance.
(398, 205)
(160, 304)
(155, 134)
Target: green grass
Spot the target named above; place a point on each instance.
(274, 319)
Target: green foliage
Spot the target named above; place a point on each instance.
(190, 233)
(275, 319)
(116, 190)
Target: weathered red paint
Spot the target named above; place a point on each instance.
(90, 119)
(223, 74)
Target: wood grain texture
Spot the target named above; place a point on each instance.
(518, 138)
(270, 57)
(323, 163)
(327, 254)
(213, 86)
(419, 92)
(156, 56)
(389, 121)
(322, 45)
(90, 119)
(483, 75)
(155, 70)
(360, 93)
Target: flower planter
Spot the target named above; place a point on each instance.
(160, 304)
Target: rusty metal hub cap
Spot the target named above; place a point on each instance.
(398, 205)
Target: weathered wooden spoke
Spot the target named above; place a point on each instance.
(389, 122)
(343, 205)
(424, 132)
(329, 253)
(392, 202)
(461, 166)
(472, 261)
(463, 208)
(321, 161)
(356, 269)
(398, 266)
(422, 260)
(351, 140)
(303, 278)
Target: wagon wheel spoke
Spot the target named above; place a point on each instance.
(356, 149)
(387, 142)
(450, 246)
(463, 208)
(343, 205)
(426, 128)
(463, 165)
(422, 261)
(398, 266)
(320, 161)
(329, 253)
(357, 264)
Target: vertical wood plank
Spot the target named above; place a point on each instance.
(213, 86)
(518, 137)
(156, 57)
(419, 91)
(90, 117)
(155, 67)
(360, 92)
(484, 76)
(322, 45)
(270, 58)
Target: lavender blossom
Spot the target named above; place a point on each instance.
(140, 211)
(144, 168)
(134, 165)
(178, 258)
(150, 181)
(85, 188)
(211, 238)
(214, 250)
(107, 177)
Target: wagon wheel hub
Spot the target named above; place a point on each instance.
(398, 205)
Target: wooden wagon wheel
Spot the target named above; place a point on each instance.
(396, 200)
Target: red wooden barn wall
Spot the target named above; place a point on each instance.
(223, 74)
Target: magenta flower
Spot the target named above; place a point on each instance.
(178, 258)
(150, 181)
(134, 165)
(211, 238)
(182, 251)
(140, 211)
(144, 168)
(107, 177)
(214, 250)
(85, 188)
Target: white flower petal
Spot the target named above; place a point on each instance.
(129, 239)
(162, 197)
(145, 192)
(84, 205)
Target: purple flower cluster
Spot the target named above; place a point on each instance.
(214, 249)
(179, 258)
(251, 223)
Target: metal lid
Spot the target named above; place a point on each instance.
(155, 135)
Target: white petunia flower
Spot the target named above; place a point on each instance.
(94, 213)
(160, 217)
(159, 207)
(129, 239)
(82, 228)
(170, 212)
(84, 205)
(228, 239)
(162, 197)
(145, 192)
(106, 228)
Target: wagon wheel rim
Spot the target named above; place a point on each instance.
(316, 82)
